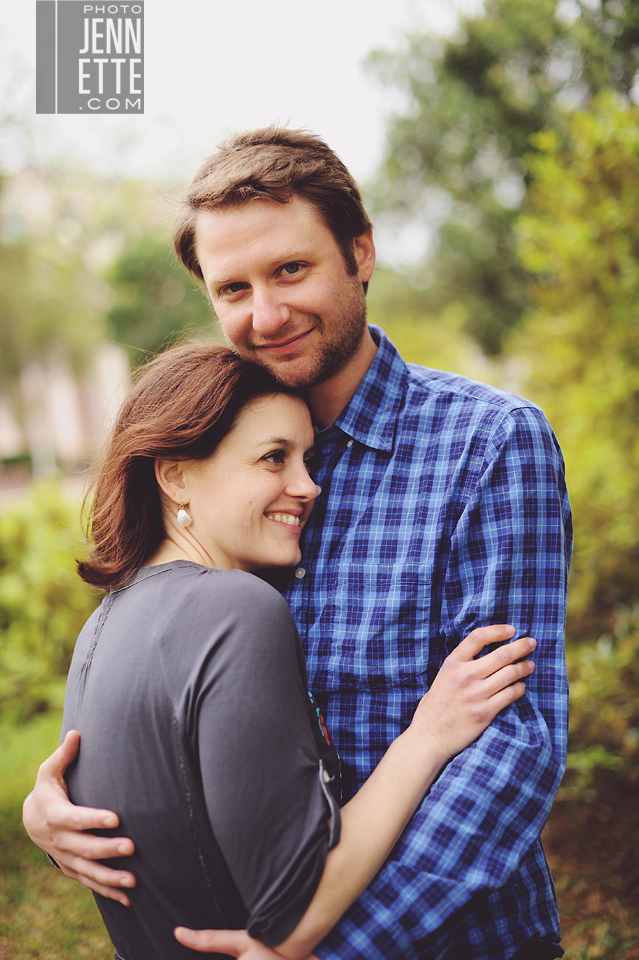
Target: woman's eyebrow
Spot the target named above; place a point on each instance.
(282, 441)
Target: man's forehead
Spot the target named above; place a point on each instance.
(258, 210)
(276, 232)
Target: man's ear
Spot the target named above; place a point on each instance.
(172, 478)
(364, 249)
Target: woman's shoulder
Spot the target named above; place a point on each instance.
(207, 616)
(198, 593)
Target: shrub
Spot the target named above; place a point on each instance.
(43, 602)
(604, 704)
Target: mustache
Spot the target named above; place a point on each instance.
(282, 337)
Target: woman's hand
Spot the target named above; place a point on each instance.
(467, 694)
(57, 826)
(235, 943)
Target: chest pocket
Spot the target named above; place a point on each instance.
(377, 621)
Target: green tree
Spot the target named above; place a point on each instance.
(155, 300)
(580, 238)
(455, 156)
(49, 296)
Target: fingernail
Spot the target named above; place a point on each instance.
(530, 664)
(123, 848)
(126, 882)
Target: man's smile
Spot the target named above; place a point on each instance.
(284, 346)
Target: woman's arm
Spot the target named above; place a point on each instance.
(465, 697)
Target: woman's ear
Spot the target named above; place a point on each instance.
(172, 477)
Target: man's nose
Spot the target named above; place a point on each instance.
(269, 312)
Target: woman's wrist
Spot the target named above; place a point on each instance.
(423, 748)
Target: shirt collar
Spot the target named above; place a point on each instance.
(370, 417)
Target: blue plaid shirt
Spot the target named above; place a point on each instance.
(443, 508)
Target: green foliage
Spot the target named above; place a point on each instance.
(155, 299)
(455, 157)
(43, 602)
(580, 236)
(439, 341)
(604, 704)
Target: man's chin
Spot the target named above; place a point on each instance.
(295, 372)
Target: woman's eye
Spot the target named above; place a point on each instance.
(276, 456)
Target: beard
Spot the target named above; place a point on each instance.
(340, 338)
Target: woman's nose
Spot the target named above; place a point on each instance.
(303, 485)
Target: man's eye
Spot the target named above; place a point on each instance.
(232, 288)
(291, 268)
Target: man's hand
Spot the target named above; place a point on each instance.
(56, 825)
(235, 943)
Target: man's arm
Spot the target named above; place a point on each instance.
(508, 563)
(53, 822)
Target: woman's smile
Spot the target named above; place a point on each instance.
(250, 500)
(286, 518)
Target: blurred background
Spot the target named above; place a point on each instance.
(497, 146)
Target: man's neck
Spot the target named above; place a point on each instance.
(328, 399)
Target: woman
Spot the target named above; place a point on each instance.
(188, 684)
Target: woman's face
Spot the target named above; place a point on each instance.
(251, 498)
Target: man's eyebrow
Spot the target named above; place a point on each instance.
(279, 261)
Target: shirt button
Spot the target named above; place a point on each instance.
(350, 443)
(300, 573)
(326, 776)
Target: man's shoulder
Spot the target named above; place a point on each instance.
(413, 401)
(427, 385)
(424, 386)
(452, 405)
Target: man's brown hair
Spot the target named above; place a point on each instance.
(273, 163)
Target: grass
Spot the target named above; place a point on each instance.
(593, 851)
(43, 916)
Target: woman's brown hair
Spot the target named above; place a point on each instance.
(181, 406)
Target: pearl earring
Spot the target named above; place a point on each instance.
(183, 518)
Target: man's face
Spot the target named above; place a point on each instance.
(279, 286)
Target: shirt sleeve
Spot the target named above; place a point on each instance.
(249, 718)
(508, 563)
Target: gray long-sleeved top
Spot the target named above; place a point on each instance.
(188, 687)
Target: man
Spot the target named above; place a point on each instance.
(443, 508)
